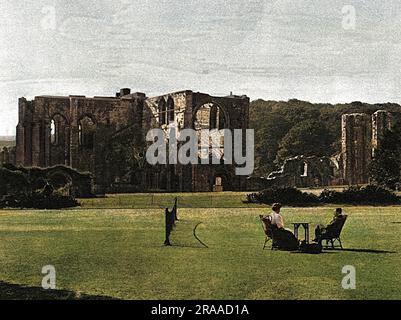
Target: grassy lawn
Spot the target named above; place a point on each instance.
(118, 252)
(163, 200)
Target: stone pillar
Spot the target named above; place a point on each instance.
(189, 107)
(20, 145)
(74, 133)
(381, 122)
(20, 132)
(74, 145)
(67, 145)
(356, 148)
(36, 145)
(46, 137)
(27, 145)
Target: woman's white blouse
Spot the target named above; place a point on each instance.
(277, 219)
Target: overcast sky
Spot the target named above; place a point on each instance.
(279, 49)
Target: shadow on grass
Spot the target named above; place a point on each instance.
(185, 246)
(338, 250)
(310, 253)
(10, 291)
(360, 250)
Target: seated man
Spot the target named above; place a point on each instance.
(321, 230)
(284, 238)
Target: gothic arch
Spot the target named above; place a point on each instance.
(86, 131)
(162, 111)
(210, 116)
(170, 109)
(58, 124)
(213, 107)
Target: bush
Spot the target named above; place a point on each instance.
(68, 180)
(12, 181)
(370, 194)
(286, 195)
(37, 200)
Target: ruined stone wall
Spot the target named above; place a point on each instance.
(235, 112)
(176, 104)
(76, 130)
(186, 105)
(361, 135)
(301, 171)
(67, 130)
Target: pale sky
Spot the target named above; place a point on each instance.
(278, 49)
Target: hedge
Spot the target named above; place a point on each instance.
(37, 201)
(284, 195)
(368, 195)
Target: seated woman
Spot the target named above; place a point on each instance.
(322, 229)
(284, 239)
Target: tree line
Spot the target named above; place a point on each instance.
(289, 128)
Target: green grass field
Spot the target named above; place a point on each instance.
(162, 200)
(118, 253)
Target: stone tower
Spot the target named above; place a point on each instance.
(382, 121)
(356, 145)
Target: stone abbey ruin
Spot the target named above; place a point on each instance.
(105, 136)
(360, 138)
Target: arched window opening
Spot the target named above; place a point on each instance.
(202, 118)
(305, 170)
(216, 121)
(162, 110)
(170, 109)
(80, 134)
(53, 132)
(57, 129)
(86, 133)
(210, 117)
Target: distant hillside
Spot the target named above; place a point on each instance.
(290, 128)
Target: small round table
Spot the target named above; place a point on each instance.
(305, 225)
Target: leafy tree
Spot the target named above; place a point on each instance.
(267, 140)
(309, 138)
(272, 121)
(385, 168)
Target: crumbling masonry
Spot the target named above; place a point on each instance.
(361, 135)
(72, 131)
